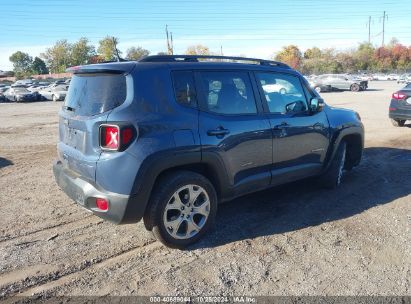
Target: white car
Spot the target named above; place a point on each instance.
(393, 77)
(380, 77)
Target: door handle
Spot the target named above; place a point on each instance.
(220, 131)
(281, 126)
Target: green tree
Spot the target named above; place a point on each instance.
(313, 53)
(198, 49)
(107, 48)
(58, 57)
(82, 52)
(39, 66)
(364, 56)
(21, 63)
(135, 53)
(290, 55)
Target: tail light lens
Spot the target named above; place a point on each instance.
(102, 204)
(116, 138)
(398, 96)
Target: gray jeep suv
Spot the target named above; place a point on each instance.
(167, 138)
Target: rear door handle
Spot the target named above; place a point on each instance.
(220, 131)
(281, 126)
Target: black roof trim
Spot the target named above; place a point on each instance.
(195, 58)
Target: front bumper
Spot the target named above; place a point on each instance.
(85, 194)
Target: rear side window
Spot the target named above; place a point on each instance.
(184, 88)
(92, 94)
(228, 92)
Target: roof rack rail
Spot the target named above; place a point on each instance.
(195, 58)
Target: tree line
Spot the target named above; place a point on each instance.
(365, 57)
(393, 57)
(63, 54)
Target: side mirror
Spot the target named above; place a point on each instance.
(296, 107)
(316, 104)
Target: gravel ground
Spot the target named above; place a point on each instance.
(293, 240)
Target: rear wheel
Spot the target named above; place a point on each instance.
(397, 122)
(355, 87)
(331, 179)
(182, 209)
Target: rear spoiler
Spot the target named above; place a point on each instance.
(114, 68)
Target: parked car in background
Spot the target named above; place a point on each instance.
(54, 93)
(404, 78)
(23, 82)
(4, 89)
(363, 76)
(20, 94)
(393, 77)
(329, 82)
(400, 106)
(36, 87)
(380, 76)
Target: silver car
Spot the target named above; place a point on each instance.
(339, 82)
(55, 93)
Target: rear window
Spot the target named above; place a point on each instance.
(92, 94)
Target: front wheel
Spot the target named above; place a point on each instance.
(397, 122)
(182, 209)
(355, 87)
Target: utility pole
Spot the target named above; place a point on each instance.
(383, 27)
(369, 29)
(170, 48)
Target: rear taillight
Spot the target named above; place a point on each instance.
(116, 138)
(398, 96)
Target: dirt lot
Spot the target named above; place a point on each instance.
(293, 240)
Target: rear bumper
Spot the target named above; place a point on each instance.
(400, 114)
(122, 208)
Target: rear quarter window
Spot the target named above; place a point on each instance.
(92, 94)
(184, 88)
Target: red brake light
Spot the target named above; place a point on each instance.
(126, 136)
(102, 204)
(110, 137)
(398, 96)
(116, 138)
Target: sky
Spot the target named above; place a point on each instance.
(257, 28)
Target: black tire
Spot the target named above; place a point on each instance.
(331, 179)
(162, 195)
(397, 122)
(355, 87)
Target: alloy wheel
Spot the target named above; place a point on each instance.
(186, 212)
